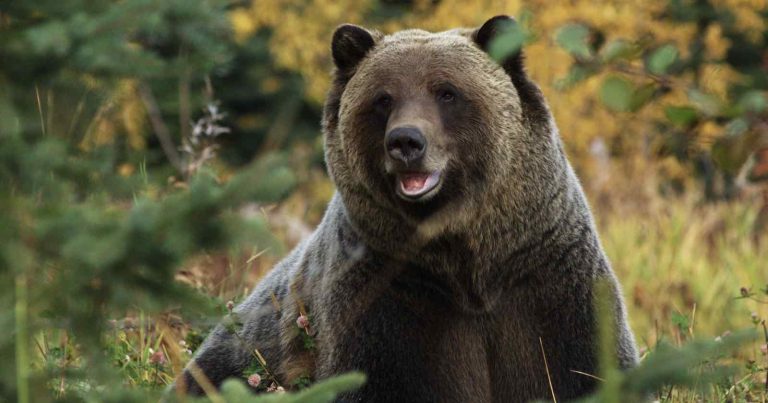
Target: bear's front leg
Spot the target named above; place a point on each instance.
(230, 348)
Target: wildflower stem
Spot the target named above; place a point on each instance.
(22, 357)
(765, 334)
(256, 354)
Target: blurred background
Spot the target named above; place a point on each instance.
(157, 157)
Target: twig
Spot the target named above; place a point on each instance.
(299, 303)
(40, 109)
(666, 81)
(159, 127)
(588, 375)
(184, 108)
(76, 115)
(264, 366)
(546, 367)
(758, 300)
(209, 94)
(693, 320)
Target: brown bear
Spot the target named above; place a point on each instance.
(458, 260)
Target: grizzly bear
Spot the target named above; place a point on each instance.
(458, 259)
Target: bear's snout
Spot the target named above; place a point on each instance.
(417, 175)
(406, 144)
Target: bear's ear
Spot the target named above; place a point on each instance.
(484, 36)
(491, 29)
(349, 45)
(530, 95)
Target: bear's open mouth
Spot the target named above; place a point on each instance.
(415, 185)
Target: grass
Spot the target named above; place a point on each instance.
(689, 271)
(694, 271)
(688, 260)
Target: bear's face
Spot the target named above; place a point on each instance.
(422, 120)
(411, 113)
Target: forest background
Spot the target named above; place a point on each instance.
(158, 157)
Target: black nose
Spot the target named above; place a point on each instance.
(405, 144)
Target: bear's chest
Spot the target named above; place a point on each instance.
(417, 344)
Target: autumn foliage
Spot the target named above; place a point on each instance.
(157, 157)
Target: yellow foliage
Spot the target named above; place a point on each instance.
(747, 13)
(752, 22)
(708, 133)
(242, 24)
(715, 79)
(270, 85)
(671, 169)
(716, 45)
(121, 114)
(126, 169)
(302, 32)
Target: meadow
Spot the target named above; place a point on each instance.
(158, 158)
(690, 271)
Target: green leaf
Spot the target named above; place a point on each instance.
(731, 151)
(574, 38)
(641, 96)
(618, 49)
(508, 42)
(327, 390)
(616, 93)
(736, 127)
(705, 103)
(681, 321)
(661, 59)
(235, 391)
(619, 94)
(577, 73)
(667, 365)
(753, 101)
(681, 116)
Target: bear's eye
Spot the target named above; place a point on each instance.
(383, 101)
(446, 96)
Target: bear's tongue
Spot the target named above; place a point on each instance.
(417, 184)
(414, 182)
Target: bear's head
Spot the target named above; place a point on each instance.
(425, 131)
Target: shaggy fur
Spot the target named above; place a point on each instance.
(453, 298)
